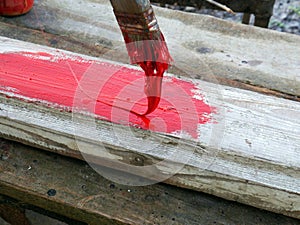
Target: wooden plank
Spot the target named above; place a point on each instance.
(217, 50)
(27, 174)
(245, 148)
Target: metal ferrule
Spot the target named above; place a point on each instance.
(141, 23)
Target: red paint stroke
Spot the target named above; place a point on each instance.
(104, 89)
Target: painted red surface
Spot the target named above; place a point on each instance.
(15, 7)
(112, 92)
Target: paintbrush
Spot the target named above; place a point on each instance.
(145, 44)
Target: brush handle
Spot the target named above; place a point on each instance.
(135, 17)
(145, 44)
(130, 6)
(141, 24)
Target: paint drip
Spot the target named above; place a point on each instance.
(146, 47)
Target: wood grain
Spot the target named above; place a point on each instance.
(27, 174)
(248, 153)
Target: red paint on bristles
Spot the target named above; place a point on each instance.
(146, 47)
(154, 58)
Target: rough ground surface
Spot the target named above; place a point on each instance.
(286, 15)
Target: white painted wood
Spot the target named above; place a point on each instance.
(251, 154)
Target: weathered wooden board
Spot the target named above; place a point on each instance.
(27, 174)
(245, 148)
(216, 49)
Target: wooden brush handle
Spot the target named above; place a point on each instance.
(130, 6)
(140, 24)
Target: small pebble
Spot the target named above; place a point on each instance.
(53, 42)
(204, 50)
(189, 9)
(4, 157)
(51, 192)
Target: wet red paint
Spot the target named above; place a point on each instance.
(108, 90)
(146, 47)
(153, 56)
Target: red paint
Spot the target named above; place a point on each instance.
(107, 90)
(146, 47)
(154, 58)
(15, 7)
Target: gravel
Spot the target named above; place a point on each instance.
(286, 15)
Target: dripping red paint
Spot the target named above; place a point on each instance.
(153, 56)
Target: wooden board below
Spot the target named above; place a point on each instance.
(27, 174)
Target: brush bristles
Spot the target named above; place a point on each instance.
(143, 38)
(145, 44)
(153, 49)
